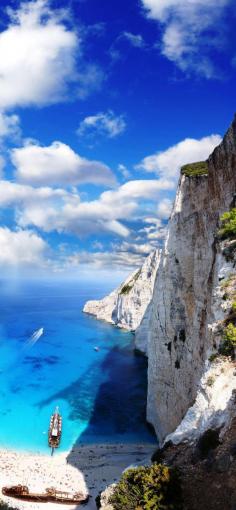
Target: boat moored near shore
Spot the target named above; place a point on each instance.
(55, 429)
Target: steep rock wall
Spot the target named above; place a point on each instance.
(181, 308)
(126, 305)
(214, 406)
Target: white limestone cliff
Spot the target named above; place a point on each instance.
(182, 308)
(213, 407)
(126, 305)
(178, 311)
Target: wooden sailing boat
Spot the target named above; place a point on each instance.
(55, 429)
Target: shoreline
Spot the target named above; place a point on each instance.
(85, 468)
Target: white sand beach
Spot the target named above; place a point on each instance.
(87, 469)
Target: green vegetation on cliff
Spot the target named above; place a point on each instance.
(128, 287)
(234, 307)
(195, 169)
(148, 488)
(229, 340)
(228, 225)
(230, 334)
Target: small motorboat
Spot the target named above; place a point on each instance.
(97, 349)
(50, 495)
(55, 429)
(35, 336)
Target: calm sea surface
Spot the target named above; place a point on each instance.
(101, 394)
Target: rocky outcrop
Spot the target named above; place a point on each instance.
(126, 305)
(105, 496)
(182, 309)
(212, 408)
(207, 467)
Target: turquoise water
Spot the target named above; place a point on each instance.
(101, 394)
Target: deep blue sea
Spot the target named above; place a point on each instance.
(101, 394)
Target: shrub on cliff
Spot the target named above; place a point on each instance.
(234, 306)
(230, 334)
(126, 289)
(228, 225)
(229, 344)
(148, 488)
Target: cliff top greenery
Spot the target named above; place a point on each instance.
(228, 224)
(148, 488)
(195, 169)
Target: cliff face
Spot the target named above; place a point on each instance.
(182, 308)
(126, 305)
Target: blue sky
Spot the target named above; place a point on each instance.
(100, 104)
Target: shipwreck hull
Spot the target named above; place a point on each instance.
(50, 496)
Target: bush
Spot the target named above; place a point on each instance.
(195, 169)
(213, 356)
(229, 343)
(148, 488)
(228, 225)
(210, 381)
(234, 306)
(230, 334)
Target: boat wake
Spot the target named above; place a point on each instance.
(35, 336)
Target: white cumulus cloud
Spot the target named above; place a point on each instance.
(58, 164)
(21, 247)
(15, 194)
(137, 189)
(166, 164)
(107, 214)
(38, 55)
(103, 123)
(190, 29)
